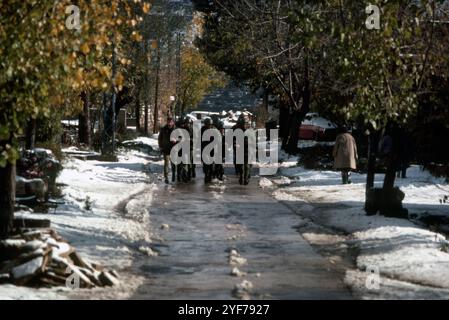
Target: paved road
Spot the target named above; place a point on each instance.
(207, 222)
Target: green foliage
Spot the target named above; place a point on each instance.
(198, 78)
(226, 45)
(158, 29)
(356, 74)
(49, 129)
(45, 65)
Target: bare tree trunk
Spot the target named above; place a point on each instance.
(390, 177)
(372, 201)
(30, 135)
(284, 117)
(146, 126)
(296, 121)
(146, 111)
(84, 128)
(265, 99)
(7, 198)
(392, 165)
(293, 135)
(137, 110)
(156, 95)
(371, 162)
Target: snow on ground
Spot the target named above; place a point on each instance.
(413, 262)
(104, 216)
(152, 141)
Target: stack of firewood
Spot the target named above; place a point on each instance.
(42, 258)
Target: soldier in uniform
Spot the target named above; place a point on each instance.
(219, 168)
(192, 166)
(243, 170)
(165, 146)
(184, 170)
(238, 125)
(208, 169)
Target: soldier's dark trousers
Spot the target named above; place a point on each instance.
(219, 171)
(192, 170)
(208, 172)
(167, 164)
(244, 173)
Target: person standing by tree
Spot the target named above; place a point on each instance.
(165, 146)
(345, 154)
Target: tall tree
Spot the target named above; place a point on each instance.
(325, 54)
(40, 46)
(198, 78)
(272, 44)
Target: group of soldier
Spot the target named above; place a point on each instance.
(185, 172)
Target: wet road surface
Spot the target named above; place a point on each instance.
(207, 222)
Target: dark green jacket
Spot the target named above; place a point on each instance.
(165, 144)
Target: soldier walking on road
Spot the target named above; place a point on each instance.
(208, 169)
(185, 171)
(219, 168)
(243, 170)
(165, 146)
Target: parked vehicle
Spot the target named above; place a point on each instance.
(201, 115)
(317, 128)
(229, 118)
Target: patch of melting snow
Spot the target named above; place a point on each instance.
(407, 256)
(265, 183)
(101, 234)
(237, 273)
(236, 259)
(243, 290)
(148, 251)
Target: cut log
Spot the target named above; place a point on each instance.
(69, 269)
(107, 279)
(23, 273)
(50, 279)
(41, 234)
(24, 223)
(93, 276)
(114, 273)
(78, 261)
(42, 258)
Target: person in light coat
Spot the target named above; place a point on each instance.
(345, 154)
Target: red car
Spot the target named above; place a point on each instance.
(317, 128)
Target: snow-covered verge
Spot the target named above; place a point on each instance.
(412, 259)
(104, 216)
